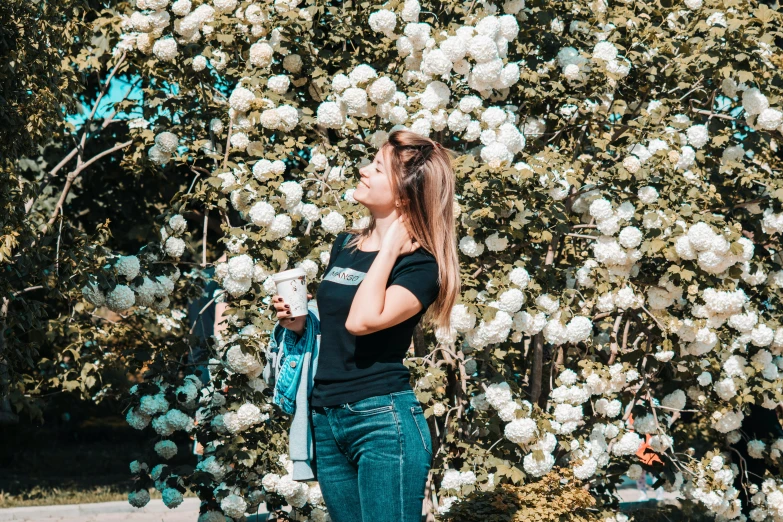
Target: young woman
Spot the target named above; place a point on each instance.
(373, 449)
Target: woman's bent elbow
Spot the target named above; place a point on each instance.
(356, 329)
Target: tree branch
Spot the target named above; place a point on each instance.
(75, 174)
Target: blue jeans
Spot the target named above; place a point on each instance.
(372, 458)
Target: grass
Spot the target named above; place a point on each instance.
(65, 494)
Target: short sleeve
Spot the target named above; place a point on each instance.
(419, 274)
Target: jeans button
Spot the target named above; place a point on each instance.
(293, 364)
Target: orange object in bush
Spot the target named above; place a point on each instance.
(645, 453)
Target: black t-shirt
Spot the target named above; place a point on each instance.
(352, 368)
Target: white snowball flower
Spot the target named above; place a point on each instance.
(498, 394)
(511, 300)
(241, 99)
(93, 294)
(726, 422)
(648, 195)
(601, 209)
(165, 49)
(436, 63)
(513, 7)
(158, 156)
(568, 377)
(330, 115)
(579, 329)
(762, 335)
(548, 303)
(178, 223)
(240, 267)
(754, 102)
(470, 103)
(293, 63)
(470, 247)
(292, 191)
(278, 83)
(139, 499)
(181, 7)
(535, 467)
(382, 90)
(120, 298)
(586, 469)
(496, 155)
(355, 100)
(493, 117)
(604, 50)
(166, 449)
(175, 247)
(383, 21)
(361, 74)
(240, 140)
(262, 214)
(630, 237)
(281, 226)
(482, 48)
(171, 497)
(333, 223)
(770, 119)
(167, 142)
(519, 277)
(697, 136)
(136, 419)
(340, 82)
(128, 266)
(627, 445)
(462, 319)
(521, 431)
(571, 72)
(261, 54)
(756, 449)
(240, 362)
(410, 11)
(233, 506)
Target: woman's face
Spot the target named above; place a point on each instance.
(374, 189)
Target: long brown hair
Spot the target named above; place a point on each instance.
(423, 180)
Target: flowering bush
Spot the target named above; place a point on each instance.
(619, 209)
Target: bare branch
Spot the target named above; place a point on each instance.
(74, 174)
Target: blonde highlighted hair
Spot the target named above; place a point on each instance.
(423, 180)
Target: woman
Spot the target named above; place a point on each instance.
(372, 445)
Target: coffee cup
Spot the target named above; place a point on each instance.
(292, 287)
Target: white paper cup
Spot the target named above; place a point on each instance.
(292, 287)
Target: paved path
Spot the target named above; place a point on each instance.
(156, 511)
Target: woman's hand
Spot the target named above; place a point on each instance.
(295, 324)
(398, 239)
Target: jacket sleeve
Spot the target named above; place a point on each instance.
(272, 357)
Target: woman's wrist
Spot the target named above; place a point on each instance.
(297, 325)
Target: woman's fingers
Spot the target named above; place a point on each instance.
(279, 304)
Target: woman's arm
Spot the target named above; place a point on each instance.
(374, 306)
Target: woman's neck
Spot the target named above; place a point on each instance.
(375, 239)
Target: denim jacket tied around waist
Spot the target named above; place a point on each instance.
(298, 357)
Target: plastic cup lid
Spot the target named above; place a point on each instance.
(289, 274)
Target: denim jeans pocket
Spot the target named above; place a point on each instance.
(371, 405)
(421, 423)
